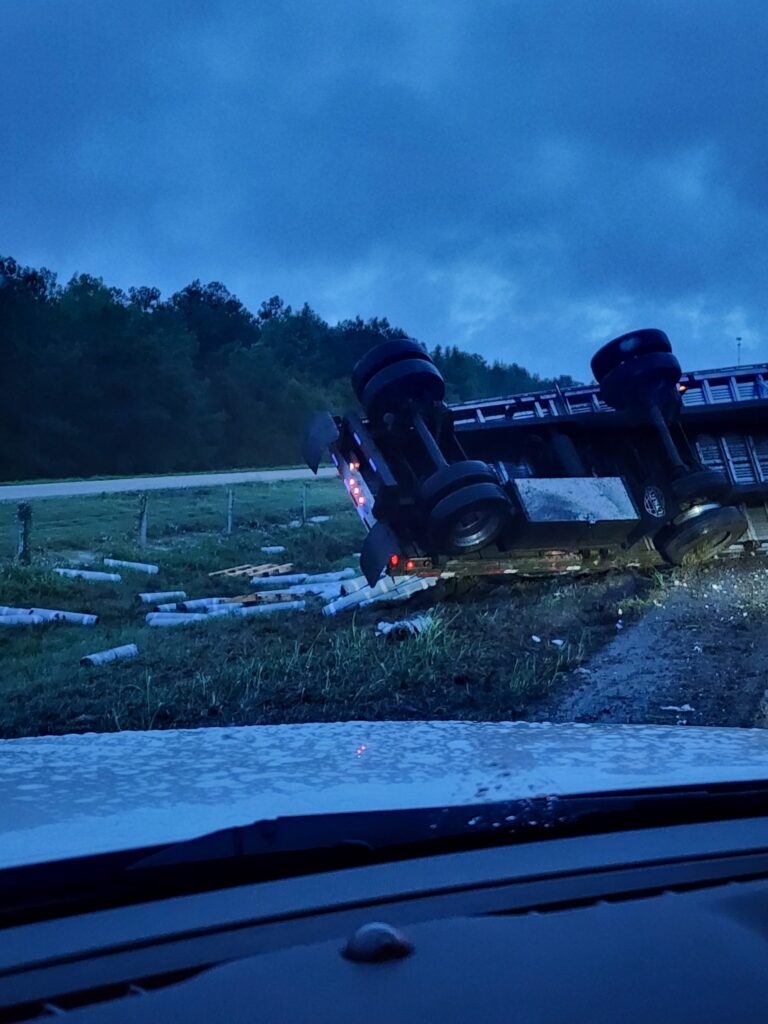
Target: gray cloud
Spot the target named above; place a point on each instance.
(521, 178)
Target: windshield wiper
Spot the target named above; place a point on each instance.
(307, 844)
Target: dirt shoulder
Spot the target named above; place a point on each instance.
(698, 657)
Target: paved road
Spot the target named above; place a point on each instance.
(71, 488)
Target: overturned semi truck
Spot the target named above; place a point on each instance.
(649, 465)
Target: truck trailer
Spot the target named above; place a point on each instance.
(646, 466)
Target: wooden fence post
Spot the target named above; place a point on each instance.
(24, 517)
(230, 509)
(141, 533)
(304, 492)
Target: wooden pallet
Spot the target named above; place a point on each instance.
(252, 571)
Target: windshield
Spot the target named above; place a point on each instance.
(383, 409)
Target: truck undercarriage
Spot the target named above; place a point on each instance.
(648, 466)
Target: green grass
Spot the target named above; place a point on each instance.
(478, 661)
(106, 524)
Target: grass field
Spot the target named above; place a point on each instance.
(478, 661)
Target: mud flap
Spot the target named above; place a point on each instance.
(321, 433)
(378, 547)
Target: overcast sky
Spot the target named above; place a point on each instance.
(524, 179)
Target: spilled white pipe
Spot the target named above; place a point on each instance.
(90, 574)
(174, 618)
(163, 595)
(20, 620)
(113, 654)
(53, 615)
(272, 581)
(118, 563)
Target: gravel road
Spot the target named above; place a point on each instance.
(72, 488)
(698, 657)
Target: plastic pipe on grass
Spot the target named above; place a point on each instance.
(20, 620)
(53, 615)
(163, 595)
(118, 563)
(175, 618)
(90, 574)
(113, 654)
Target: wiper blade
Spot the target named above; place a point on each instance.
(308, 844)
(366, 836)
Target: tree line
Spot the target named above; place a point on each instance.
(95, 380)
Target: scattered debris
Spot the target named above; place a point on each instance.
(162, 595)
(536, 639)
(217, 611)
(678, 708)
(559, 643)
(278, 581)
(274, 549)
(199, 603)
(118, 563)
(305, 578)
(20, 620)
(252, 571)
(318, 519)
(698, 649)
(113, 654)
(52, 615)
(90, 574)
(387, 589)
(404, 628)
(174, 618)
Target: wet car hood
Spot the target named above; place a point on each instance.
(63, 796)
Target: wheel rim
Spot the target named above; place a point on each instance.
(474, 529)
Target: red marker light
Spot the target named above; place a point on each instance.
(410, 564)
(681, 388)
(361, 500)
(394, 560)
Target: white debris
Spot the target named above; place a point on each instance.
(174, 618)
(698, 649)
(279, 581)
(163, 595)
(113, 654)
(331, 577)
(274, 549)
(404, 628)
(52, 615)
(269, 609)
(20, 620)
(558, 643)
(536, 639)
(294, 524)
(619, 624)
(198, 604)
(118, 563)
(89, 574)
(318, 519)
(675, 707)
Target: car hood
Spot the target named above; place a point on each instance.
(64, 796)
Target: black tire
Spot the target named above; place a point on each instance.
(701, 485)
(628, 346)
(412, 380)
(381, 356)
(639, 379)
(450, 478)
(468, 519)
(702, 536)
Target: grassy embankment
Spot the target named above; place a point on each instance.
(477, 662)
